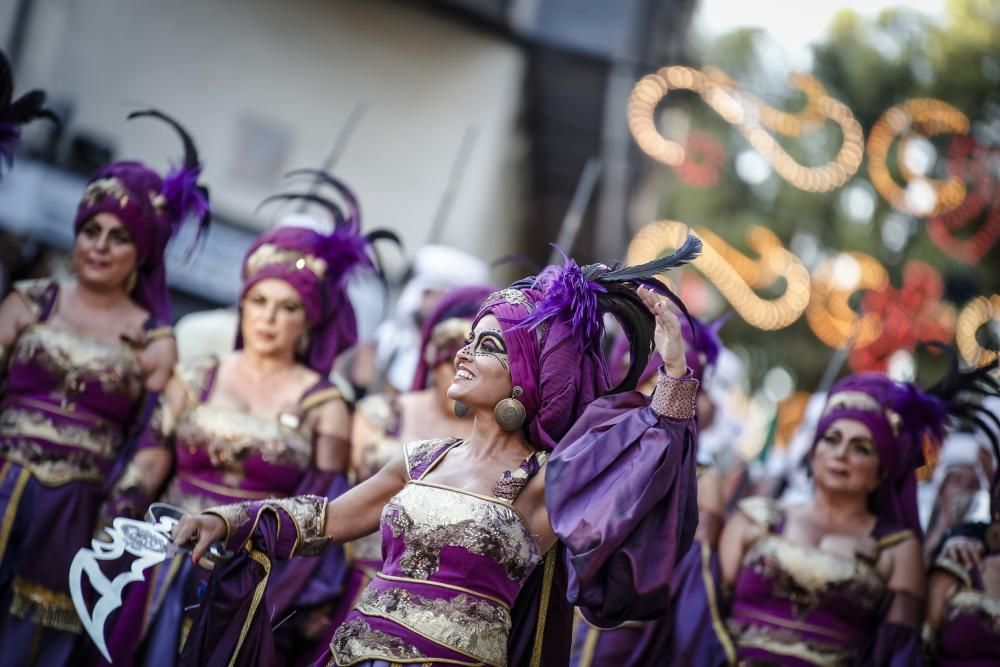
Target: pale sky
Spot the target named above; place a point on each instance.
(794, 23)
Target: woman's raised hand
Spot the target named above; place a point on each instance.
(202, 529)
(667, 337)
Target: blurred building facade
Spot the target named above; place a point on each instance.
(526, 90)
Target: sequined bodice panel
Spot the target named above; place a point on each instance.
(73, 372)
(454, 564)
(68, 399)
(432, 532)
(798, 600)
(239, 449)
(225, 455)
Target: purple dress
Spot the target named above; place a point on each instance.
(66, 412)
(225, 456)
(969, 635)
(462, 582)
(792, 604)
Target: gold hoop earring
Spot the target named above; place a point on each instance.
(510, 413)
(131, 281)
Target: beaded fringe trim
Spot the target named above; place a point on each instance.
(45, 607)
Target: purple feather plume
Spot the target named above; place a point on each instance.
(922, 413)
(571, 299)
(183, 194)
(346, 250)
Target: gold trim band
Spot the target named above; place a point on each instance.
(224, 490)
(452, 587)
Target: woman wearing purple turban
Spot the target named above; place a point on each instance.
(262, 422)
(838, 579)
(567, 492)
(84, 362)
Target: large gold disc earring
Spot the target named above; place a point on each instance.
(509, 412)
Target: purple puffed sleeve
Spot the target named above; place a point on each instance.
(620, 490)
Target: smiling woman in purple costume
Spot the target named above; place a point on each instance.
(261, 422)
(838, 579)
(85, 361)
(555, 499)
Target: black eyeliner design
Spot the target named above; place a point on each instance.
(500, 355)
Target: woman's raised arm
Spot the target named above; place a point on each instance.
(314, 520)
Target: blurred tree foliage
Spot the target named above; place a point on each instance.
(870, 65)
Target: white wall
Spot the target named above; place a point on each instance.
(301, 65)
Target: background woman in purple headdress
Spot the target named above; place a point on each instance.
(963, 588)
(645, 644)
(85, 361)
(488, 541)
(838, 579)
(261, 422)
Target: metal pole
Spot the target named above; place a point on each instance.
(19, 31)
(578, 206)
(339, 145)
(454, 180)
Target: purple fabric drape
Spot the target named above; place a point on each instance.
(234, 617)
(620, 492)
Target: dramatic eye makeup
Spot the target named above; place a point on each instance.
(489, 343)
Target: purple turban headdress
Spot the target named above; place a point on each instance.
(15, 113)
(553, 324)
(317, 260)
(903, 419)
(152, 209)
(445, 330)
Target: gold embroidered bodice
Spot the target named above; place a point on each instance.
(454, 563)
(226, 454)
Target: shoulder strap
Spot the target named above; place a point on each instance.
(39, 295)
(510, 485)
(421, 455)
(198, 377)
(321, 392)
(893, 538)
(762, 511)
(156, 329)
